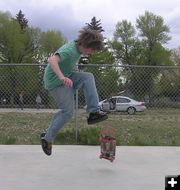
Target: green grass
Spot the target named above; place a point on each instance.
(152, 128)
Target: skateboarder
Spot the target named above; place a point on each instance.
(61, 81)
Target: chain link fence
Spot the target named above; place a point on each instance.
(157, 86)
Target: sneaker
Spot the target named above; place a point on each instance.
(46, 146)
(96, 117)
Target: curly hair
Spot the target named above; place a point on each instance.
(89, 38)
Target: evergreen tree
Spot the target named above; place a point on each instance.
(95, 25)
(22, 20)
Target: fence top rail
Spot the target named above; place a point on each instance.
(97, 65)
(131, 66)
(21, 64)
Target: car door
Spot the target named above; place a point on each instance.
(112, 103)
(122, 104)
(105, 105)
(109, 104)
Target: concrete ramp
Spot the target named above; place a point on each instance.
(26, 167)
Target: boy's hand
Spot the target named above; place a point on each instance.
(67, 82)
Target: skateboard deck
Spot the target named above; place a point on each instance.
(107, 143)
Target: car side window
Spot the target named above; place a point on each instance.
(123, 100)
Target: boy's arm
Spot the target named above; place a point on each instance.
(53, 61)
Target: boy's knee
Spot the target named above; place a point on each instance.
(89, 75)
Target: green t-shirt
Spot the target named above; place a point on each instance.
(69, 56)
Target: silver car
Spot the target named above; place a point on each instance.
(123, 104)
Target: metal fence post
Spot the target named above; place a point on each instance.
(76, 116)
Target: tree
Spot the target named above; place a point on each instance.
(175, 56)
(169, 82)
(50, 41)
(123, 42)
(144, 49)
(16, 46)
(154, 34)
(152, 28)
(95, 25)
(5, 18)
(108, 79)
(22, 20)
(169, 85)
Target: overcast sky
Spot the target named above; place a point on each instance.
(68, 16)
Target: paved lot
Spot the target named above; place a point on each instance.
(26, 167)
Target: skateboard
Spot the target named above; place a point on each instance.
(107, 143)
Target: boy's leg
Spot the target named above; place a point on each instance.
(86, 81)
(64, 98)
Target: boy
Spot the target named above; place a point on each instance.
(61, 81)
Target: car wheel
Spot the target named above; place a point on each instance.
(131, 110)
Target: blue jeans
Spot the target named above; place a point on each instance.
(64, 98)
